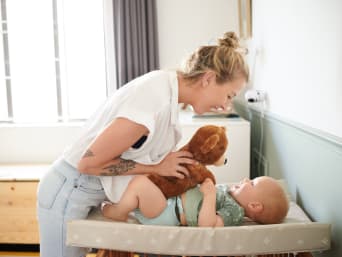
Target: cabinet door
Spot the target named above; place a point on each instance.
(18, 221)
(237, 154)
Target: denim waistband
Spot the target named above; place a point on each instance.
(70, 172)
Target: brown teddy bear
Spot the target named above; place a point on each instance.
(208, 146)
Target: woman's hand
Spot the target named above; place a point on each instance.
(171, 165)
(208, 187)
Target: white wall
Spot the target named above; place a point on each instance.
(183, 25)
(300, 60)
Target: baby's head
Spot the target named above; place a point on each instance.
(263, 199)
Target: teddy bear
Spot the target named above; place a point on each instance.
(208, 146)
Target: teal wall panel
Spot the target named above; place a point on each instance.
(309, 160)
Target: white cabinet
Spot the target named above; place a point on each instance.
(238, 152)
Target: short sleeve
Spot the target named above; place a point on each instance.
(136, 110)
(145, 101)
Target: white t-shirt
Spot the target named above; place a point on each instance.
(150, 100)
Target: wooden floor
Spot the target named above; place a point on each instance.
(18, 254)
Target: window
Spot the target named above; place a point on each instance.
(56, 66)
(52, 60)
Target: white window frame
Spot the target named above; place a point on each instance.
(42, 144)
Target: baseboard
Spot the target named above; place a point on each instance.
(19, 248)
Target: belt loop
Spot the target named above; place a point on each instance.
(75, 183)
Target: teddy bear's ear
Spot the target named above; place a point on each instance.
(210, 143)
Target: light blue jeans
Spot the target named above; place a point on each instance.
(64, 194)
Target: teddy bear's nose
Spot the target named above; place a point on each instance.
(225, 161)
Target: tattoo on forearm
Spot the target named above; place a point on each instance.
(88, 153)
(118, 169)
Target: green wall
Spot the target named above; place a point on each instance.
(309, 160)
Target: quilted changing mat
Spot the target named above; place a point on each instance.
(296, 234)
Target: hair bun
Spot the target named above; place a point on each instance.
(229, 39)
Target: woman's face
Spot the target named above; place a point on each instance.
(212, 96)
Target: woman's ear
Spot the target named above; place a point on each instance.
(255, 207)
(207, 77)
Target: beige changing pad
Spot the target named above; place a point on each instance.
(296, 234)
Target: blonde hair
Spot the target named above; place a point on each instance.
(226, 59)
(275, 205)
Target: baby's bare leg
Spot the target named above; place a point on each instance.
(111, 211)
(140, 193)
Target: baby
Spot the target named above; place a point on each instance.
(262, 200)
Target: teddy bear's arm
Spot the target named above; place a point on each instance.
(200, 172)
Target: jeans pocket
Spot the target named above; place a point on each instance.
(90, 185)
(49, 187)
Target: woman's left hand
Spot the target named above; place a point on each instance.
(172, 166)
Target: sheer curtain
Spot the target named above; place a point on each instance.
(135, 37)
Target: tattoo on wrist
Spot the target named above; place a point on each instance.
(88, 153)
(118, 169)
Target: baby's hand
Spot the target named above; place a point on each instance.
(208, 187)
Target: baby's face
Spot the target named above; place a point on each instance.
(251, 190)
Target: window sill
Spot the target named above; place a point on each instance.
(22, 172)
(35, 143)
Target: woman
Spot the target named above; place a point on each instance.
(134, 132)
